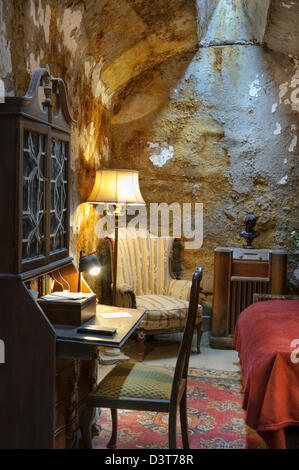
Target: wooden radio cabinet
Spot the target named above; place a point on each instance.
(238, 274)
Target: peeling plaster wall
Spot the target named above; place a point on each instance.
(5, 56)
(158, 87)
(229, 115)
(38, 32)
(282, 32)
(257, 12)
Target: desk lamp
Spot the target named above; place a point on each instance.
(88, 264)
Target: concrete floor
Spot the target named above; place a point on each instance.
(163, 350)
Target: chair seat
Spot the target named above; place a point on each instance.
(163, 311)
(138, 381)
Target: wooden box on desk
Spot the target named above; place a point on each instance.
(69, 312)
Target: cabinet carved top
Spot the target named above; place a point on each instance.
(45, 100)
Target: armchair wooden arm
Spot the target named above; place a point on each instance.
(125, 296)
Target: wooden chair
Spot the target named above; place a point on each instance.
(138, 386)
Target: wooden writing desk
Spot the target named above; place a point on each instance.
(69, 343)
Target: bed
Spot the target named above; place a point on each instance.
(265, 338)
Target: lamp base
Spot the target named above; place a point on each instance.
(110, 356)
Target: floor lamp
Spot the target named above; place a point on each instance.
(117, 189)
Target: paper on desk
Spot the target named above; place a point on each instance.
(65, 295)
(116, 315)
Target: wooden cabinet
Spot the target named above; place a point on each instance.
(74, 381)
(238, 274)
(34, 190)
(41, 395)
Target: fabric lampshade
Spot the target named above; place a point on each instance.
(116, 187)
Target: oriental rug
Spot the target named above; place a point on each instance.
(215, 415)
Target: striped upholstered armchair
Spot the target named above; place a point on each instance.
(145, 281)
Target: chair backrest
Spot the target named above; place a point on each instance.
(182, 363)
(144, 262)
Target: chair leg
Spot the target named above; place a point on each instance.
(199, 335)
(85, 426)
(112, 443)
(172, 429)
(184, 421)
(141, 340)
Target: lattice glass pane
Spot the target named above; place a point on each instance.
(33, 238)
(59, 155)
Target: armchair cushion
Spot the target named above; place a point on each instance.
(143, 263)
(179, 289)
(163, 311)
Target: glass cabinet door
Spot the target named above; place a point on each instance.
(34, 195)
(44, 200)
(58, 195)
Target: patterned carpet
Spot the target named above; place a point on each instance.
(216, 418)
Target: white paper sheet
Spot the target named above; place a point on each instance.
(116, 315)
(65, 295)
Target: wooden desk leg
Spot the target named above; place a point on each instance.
(86, 425)
(96, 428)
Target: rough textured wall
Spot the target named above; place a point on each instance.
(181, 91)
(257, 12)
(217, 125)
(39, 32)
(282, 32)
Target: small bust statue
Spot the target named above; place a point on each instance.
(249, 233)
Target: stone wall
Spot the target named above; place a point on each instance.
(39, 32)
(217, 125)
(186, 93)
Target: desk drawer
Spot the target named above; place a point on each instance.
(250, 269)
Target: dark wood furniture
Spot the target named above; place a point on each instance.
(44, 381)
(34, 225)
(238, 274)
(136, 386)
(124, 327)
(49, 369)
(34, 189)
(69, 311)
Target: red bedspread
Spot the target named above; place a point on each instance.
(263, 336)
